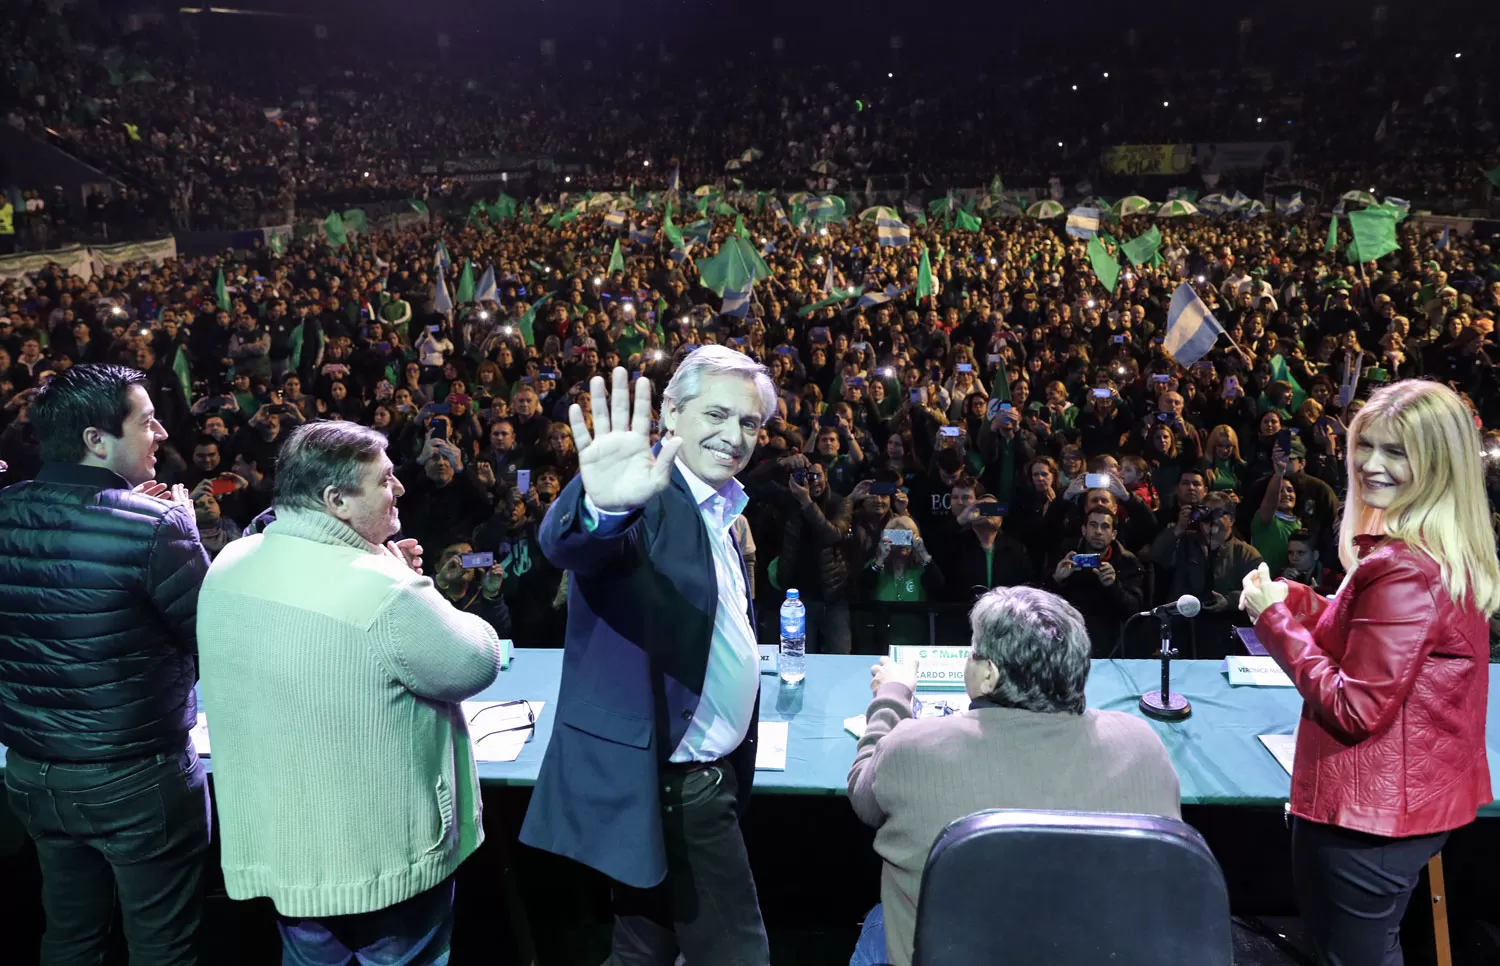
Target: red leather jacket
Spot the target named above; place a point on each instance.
(1395, 685)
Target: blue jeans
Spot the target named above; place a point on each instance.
(413, 932)
(870, 950)
(137, 831)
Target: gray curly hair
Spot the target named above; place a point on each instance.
(1038, 643)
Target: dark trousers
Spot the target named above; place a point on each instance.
(828, 629)
(414, 932)
(707, 908)
(136, 831)
(1353, 888)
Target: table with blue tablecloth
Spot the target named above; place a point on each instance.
(1218, 756)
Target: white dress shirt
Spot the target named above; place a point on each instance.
(731, 680)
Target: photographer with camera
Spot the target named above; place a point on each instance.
(1102, 579)
(1201, 555)
(471, 582)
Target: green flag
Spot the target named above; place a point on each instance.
(184, 373)
(278, 243)
(674, 235)
(1279, 371)
(616, 259)
(1494, 176)
(724, 210)
(1106, 266)
(221, 294)
(1374, 232)
(1000, 384)
(355, 220)
(294, 344)
(1142, 248)
(997, 188)
(925, 284)
(420, 207)
(739, 226)
(966, 221)
(465, 290)
(1332, 244)
(527, 324)
(333, 230)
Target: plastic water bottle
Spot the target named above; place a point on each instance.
(793, 661)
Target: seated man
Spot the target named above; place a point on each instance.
(1025, 677)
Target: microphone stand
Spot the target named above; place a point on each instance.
(1163, 705)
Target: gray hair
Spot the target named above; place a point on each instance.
(1038, 643)
(717, 360)
(319, 455)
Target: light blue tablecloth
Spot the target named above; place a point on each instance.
(1218, 757)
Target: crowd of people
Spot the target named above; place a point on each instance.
(1020, 417)
(202, 135)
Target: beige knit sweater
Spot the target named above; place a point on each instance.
(331, 676)
(911, 777)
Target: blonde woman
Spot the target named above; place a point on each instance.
(1228, 470)
(1393, 671)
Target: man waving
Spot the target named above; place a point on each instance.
(652, 759)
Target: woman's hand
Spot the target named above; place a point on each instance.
(1259, 591)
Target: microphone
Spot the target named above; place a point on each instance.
(1185, 606)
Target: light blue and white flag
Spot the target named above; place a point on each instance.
(615, 220)
(769, 247)
(780, 213)
(440, 260)
(1290, 206)
(828, 279)
(1442, 242)
(441, 300)
(485, 290)
(674, 183)
(1239, 200)
(737, 301)
(1398, 202)
(891, 232)
(679, 255)
(641, 236)
(880, 298)
(1083, 222)
(1191, 329)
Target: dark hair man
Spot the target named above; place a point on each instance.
(99, 574)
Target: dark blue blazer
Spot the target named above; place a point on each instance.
(641, 606)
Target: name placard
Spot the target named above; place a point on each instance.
(1256, 672)
(770, 658)
(938, 668)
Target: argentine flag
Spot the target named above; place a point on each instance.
(440, 260)
(674, 183)
(485, 292)
(1191, 330)
(1083, 222)
(828, 279)
(1442, 242)
(1238, 200)
(880, 298)
(1290, 206)
(642, 236)
(1398, 202)
(891, 231)
(441, 300)
(615, 219)
(781, 218)
(737, 301)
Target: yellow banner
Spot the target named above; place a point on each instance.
(1148, 159)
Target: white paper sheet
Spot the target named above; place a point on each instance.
(199, 734)
(1282, 747)
(770, 749)
(855, 725)
(499, 730)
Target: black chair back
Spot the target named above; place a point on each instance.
(1033, 888)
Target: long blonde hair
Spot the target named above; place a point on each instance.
(1442, 512)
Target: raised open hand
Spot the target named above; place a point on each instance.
(619, 471)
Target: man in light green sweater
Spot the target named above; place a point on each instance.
(331, 675)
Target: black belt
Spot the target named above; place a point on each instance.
(676, 769)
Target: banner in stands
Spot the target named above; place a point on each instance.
(112, 256)
(88, 262)
(75, 260)
(1242, 155)
(1148, 158)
